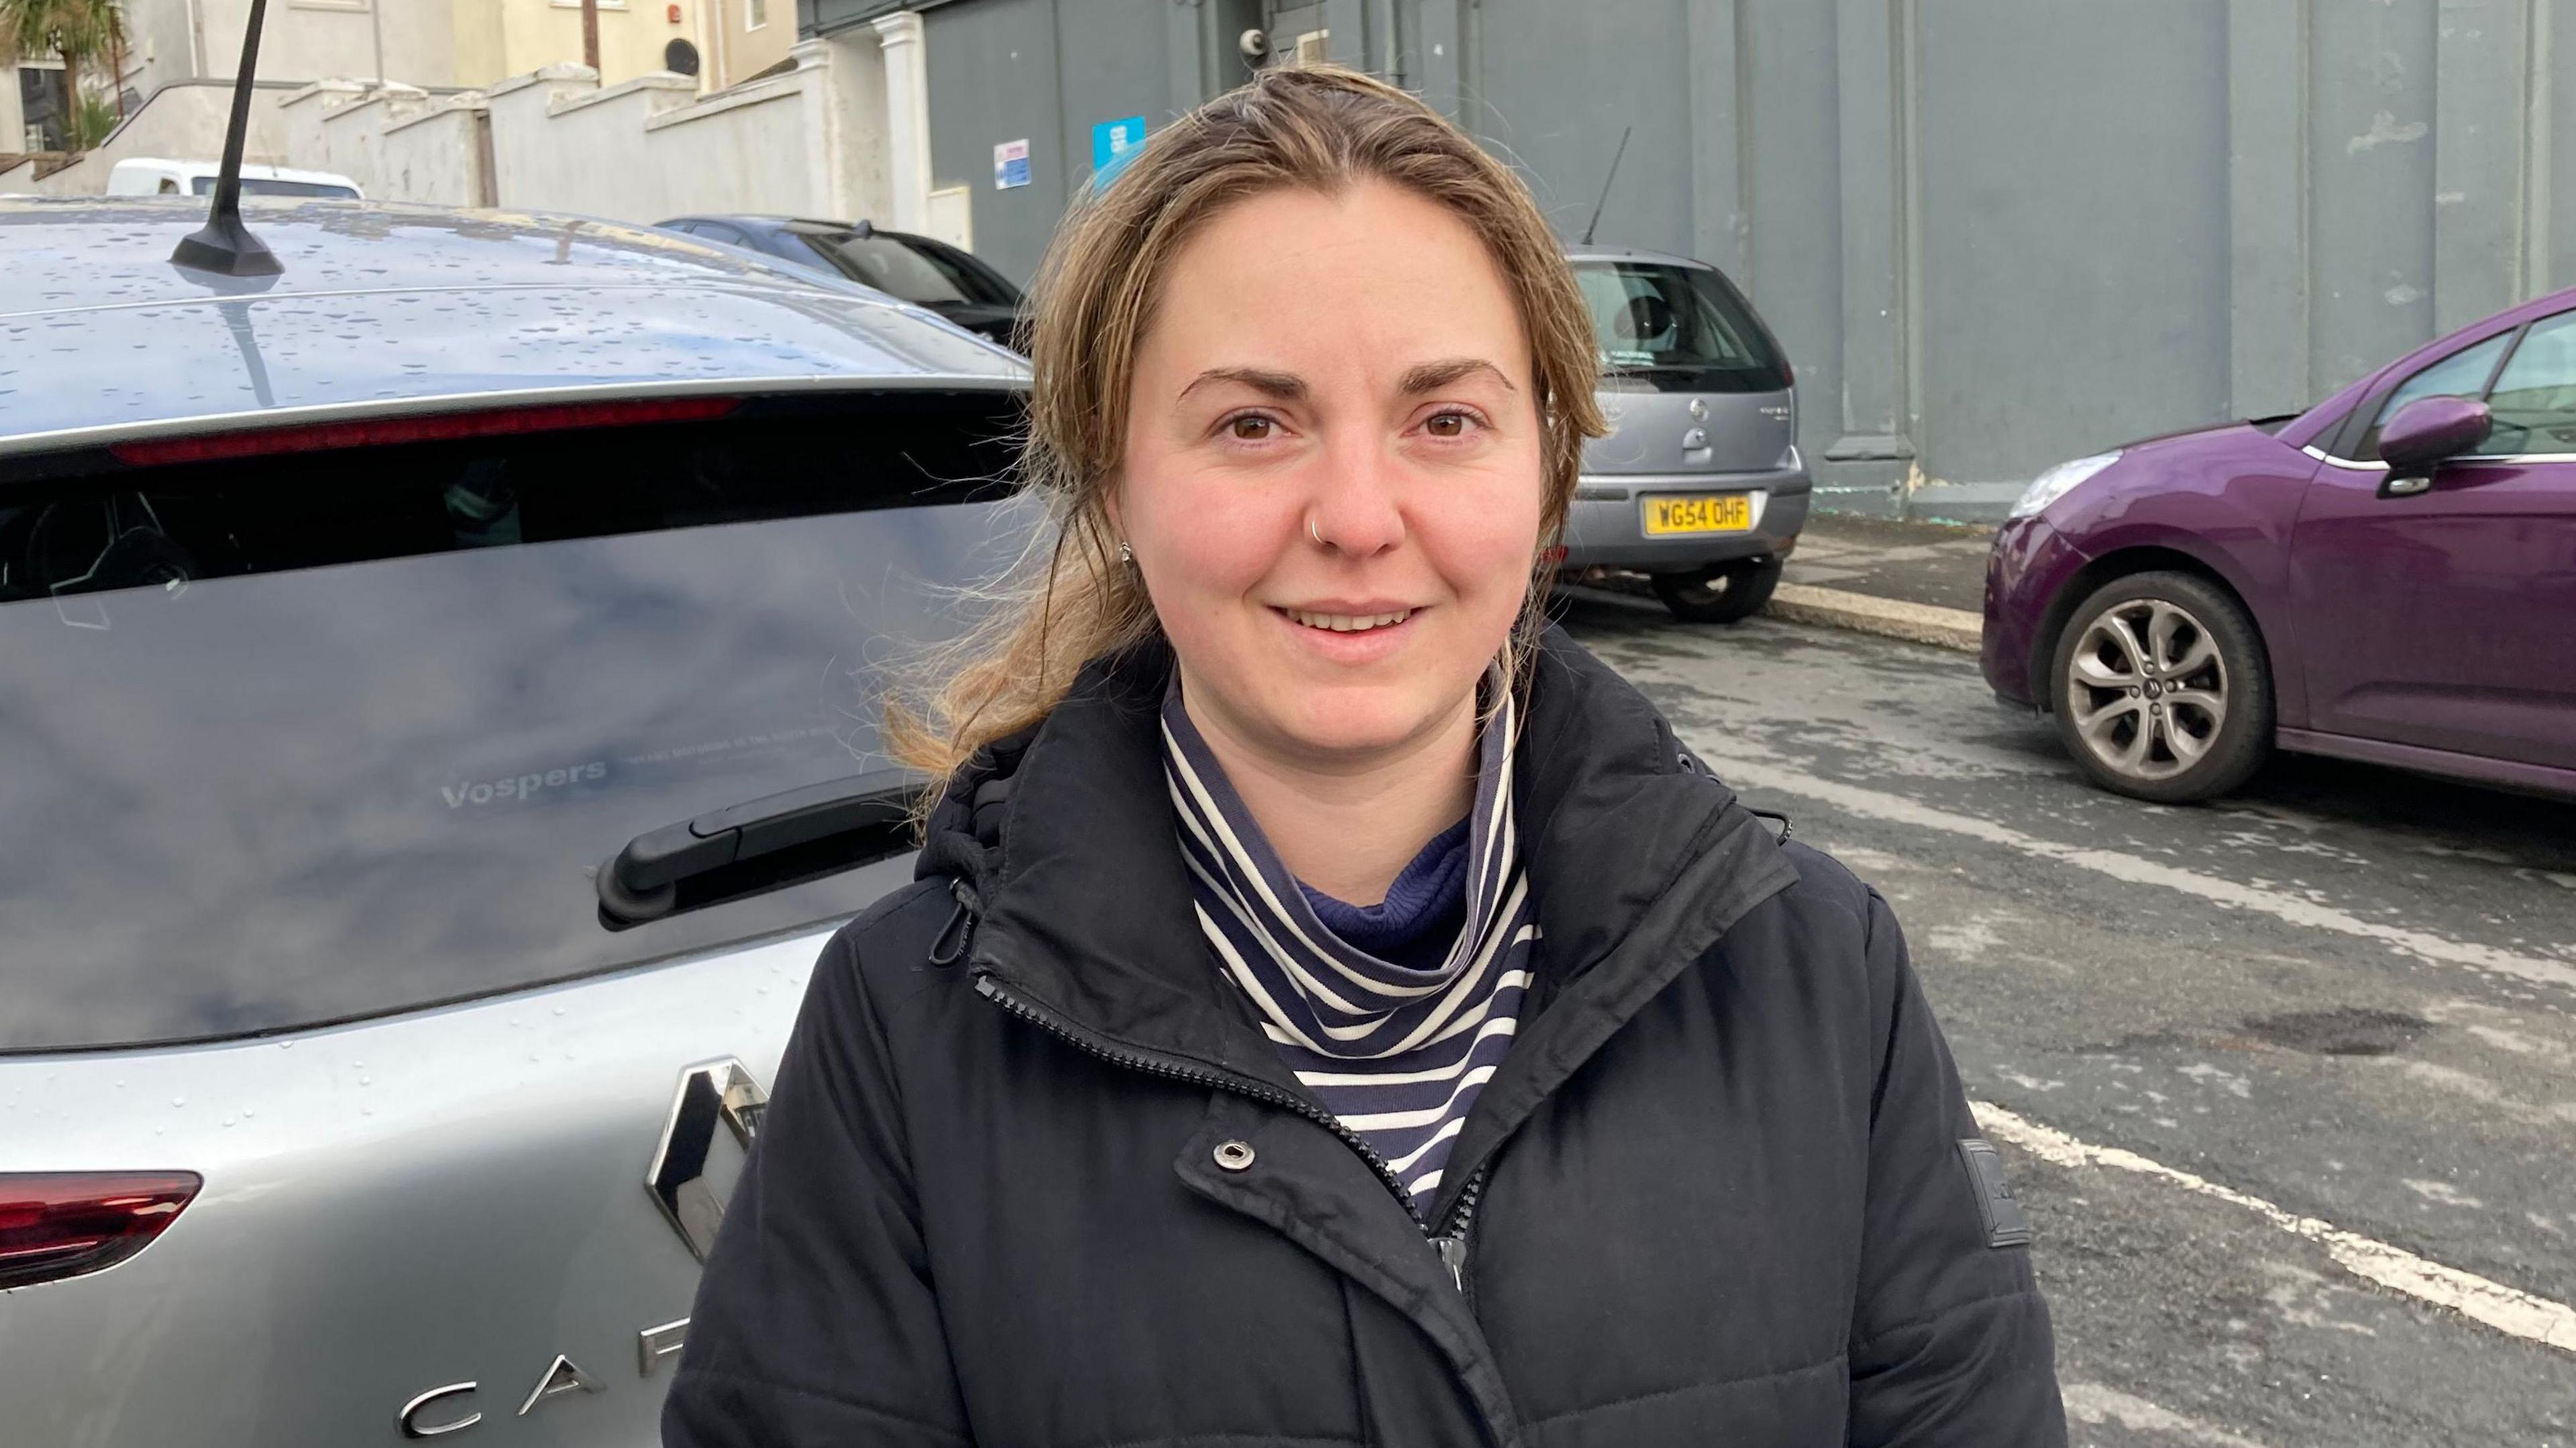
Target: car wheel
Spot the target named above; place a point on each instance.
(1718, 592)
(2162, 689)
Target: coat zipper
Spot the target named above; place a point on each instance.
(1450, 1245)
(1451, 1239)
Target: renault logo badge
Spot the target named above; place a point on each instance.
(710, 1091)
(1699, 409)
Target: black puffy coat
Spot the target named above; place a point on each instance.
(1720, 1192)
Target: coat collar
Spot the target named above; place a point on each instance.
(1638, 859)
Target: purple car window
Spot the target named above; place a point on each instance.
(2534, 401)
(2462, 374)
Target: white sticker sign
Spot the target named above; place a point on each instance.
(1011, 164)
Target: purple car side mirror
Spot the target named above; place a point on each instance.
(2430, 429)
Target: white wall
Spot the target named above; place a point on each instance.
(320, 133)
(809, 142)
(395, 142)
(850, 111)
(183, 122)
(560, 142)
(303, 40)
(13, 122)
(437, 156)
(161, 45)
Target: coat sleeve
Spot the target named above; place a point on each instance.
(1950, 1340)
(815, 1321)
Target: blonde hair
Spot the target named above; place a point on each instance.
(1319, 128)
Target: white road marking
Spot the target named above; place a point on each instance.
(1741, 771)
(2094, 1404)
(2506, 1309)
(2441, 1192)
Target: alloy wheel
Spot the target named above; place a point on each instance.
(2147, 688)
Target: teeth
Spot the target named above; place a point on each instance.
(1348, 622)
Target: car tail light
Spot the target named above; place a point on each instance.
(62, 1224)
(429, 427)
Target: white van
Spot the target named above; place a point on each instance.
(153, 176)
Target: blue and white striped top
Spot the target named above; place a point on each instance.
(1397, 1051)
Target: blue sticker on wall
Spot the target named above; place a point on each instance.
(1113, 145)
(1010, 165)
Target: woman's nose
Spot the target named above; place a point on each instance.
(1354, 511)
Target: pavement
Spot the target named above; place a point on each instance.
(1921, 582)
(1939, 564)
(2286, 1082)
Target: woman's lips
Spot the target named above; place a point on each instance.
(1350, 635)
(1353, 621)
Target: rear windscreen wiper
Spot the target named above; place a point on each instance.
(765, 844)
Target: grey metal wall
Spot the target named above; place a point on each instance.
(1992, 233)
(1046, 72)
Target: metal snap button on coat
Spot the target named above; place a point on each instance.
(1233, 1155)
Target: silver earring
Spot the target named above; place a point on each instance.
(1125, 553)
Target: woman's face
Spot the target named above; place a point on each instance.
(1333, 470)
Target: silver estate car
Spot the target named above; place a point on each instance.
(437, 700)
(1699, 485)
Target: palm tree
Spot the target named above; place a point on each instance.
(80, 32)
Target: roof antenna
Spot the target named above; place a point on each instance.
(1596, 206)
(223, 244)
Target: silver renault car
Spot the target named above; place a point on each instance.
(1699, 485)
(437, 700)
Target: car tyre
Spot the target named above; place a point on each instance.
(2162, 689)
(1718, 592)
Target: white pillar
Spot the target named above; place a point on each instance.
(907, 103)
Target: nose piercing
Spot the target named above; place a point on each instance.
(1313, 532)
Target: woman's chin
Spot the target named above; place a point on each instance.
(1360, 722)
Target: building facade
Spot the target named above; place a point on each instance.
(719, 42)
(432, 45)
(1991, 235)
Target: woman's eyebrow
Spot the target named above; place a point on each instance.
(1432, 376)
(1285, 386)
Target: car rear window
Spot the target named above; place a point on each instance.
(914, 271)
(272, 186)
(1677, 328)
(297, 737)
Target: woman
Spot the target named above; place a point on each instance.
(1334, 1009)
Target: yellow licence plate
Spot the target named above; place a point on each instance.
(1707, 513)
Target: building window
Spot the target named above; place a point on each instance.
(40, 105)
(756, 15)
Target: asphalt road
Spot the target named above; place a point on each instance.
(2348, 993)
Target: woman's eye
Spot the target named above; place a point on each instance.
(1250, 427)
(1449, 424)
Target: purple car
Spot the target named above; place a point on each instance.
(2389, 576)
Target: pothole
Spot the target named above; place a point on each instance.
(2343, 1031)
